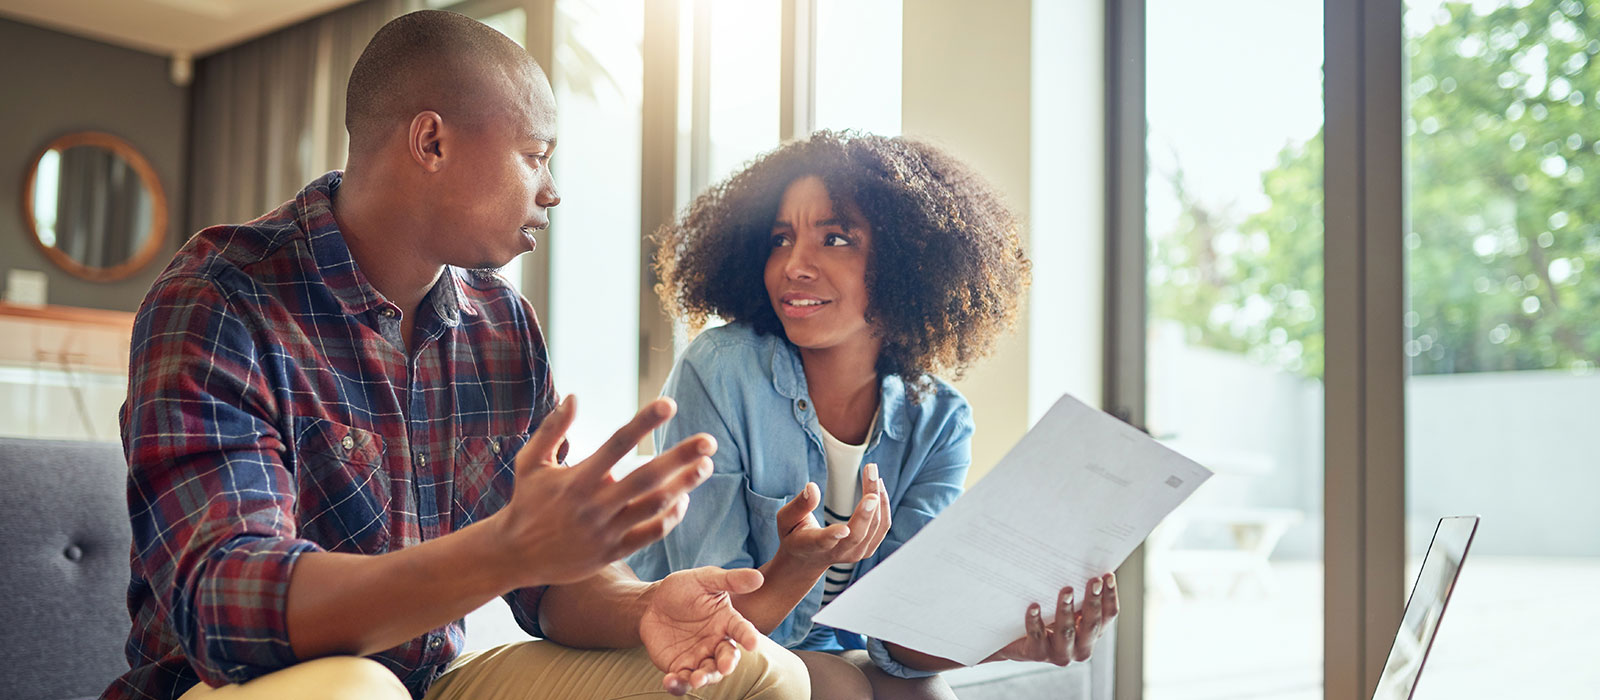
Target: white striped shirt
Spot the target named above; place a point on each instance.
(839, 501)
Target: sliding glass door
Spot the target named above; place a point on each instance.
(1503, 335)
(1234, 345)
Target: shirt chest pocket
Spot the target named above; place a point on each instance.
(343, 488)
(485, 473)
(763, 524)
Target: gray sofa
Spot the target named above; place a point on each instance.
(64, 539)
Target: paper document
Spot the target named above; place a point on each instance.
(1069, 502)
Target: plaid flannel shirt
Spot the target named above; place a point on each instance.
(272, 410)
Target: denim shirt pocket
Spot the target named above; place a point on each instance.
(763, 524)
(484, 476)
(343, 495)
(764, 541)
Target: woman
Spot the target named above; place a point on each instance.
(851, 267)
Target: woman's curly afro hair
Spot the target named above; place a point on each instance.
(946, 268)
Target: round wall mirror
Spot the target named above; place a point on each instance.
(95, 206)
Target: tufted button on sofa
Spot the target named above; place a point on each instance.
(64, 539)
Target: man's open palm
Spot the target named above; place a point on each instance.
(691, 628)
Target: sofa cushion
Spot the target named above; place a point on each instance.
(64, 542)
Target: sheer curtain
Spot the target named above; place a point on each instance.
(269, 114)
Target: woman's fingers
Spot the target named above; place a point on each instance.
(1109, 603)
(1062, 632)
(798, 511)
(1088, 628)
(884, 520)
(1038, 647)
(860, 524)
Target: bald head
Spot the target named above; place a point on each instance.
(440, 61)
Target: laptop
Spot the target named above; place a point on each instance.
(1441, 567)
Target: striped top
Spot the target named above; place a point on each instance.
(839, 501)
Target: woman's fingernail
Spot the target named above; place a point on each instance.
(869, 504)
(1034, 610)
(872, 471)
(1111, 580)
(1094, 587)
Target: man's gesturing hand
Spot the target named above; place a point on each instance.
(563, 524)
(691, 628)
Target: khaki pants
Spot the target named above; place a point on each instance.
(533, 670)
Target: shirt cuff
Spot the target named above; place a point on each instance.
(881, 658)
(524, 604)
(239, 613)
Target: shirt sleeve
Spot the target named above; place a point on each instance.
(209, 497)
(716, 528)
(937, 484)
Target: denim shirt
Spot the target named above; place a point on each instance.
(748, 390)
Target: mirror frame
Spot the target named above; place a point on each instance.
(147, 175)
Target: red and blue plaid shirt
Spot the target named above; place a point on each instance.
(272, 410)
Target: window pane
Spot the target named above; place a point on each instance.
(1503, 329)
(1234, 219)
(594, 307)
(858, 65)
(514, 24)
(745, 53)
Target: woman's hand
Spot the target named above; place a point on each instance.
(803, 540)
(1068, 637)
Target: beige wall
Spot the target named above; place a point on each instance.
(966, 88)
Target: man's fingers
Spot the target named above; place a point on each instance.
(727, 657)
(795, 512)
(626, 512)
(650, 530)
(745, 634)
(677, 682)
(742, 581)
(705, 674)
(738, 581)
(623, 442)
(678, 471)
(545, 443)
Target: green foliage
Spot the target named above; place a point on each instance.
(1503, 157)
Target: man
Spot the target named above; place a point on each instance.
(328, 432)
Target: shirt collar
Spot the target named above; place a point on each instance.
(789, 379)
(338, 267)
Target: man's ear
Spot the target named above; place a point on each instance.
(425, 140)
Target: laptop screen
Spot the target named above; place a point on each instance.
(1440, 567)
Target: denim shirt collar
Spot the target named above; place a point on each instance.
(789, 379)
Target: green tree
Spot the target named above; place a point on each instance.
(1503, 134)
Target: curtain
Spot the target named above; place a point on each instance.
(269, 114)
